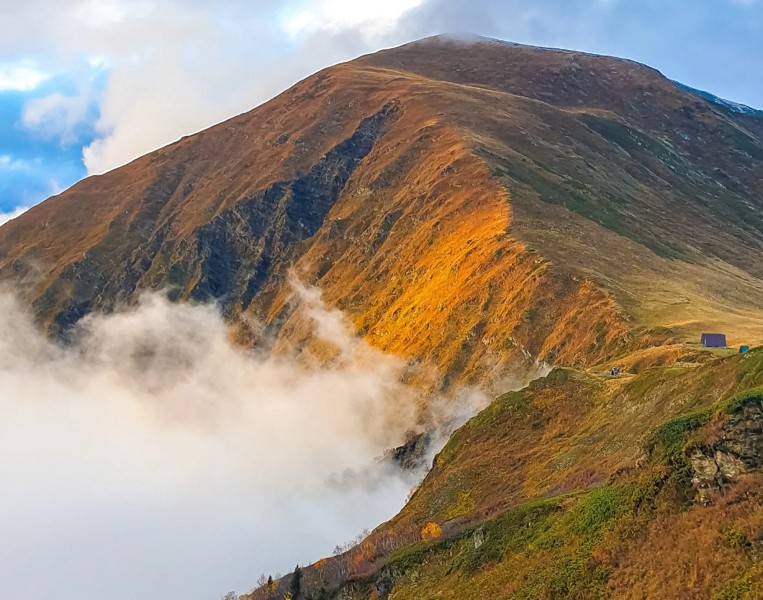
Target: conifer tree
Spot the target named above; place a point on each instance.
(295, 585)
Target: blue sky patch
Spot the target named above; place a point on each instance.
(35, 165)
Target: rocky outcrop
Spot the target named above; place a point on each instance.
(412, 456)
(737, 450)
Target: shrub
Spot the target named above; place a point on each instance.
(431, 532)
(733, 538)
(600, 506)
(295, 584)
(742, 399)
(738, 590)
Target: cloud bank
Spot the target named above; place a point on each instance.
(154, 459)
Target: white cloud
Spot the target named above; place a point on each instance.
(175, 68)
(9, 163)
(154, 459)
(57, 116)
(108, 13)
(21, 77)
(371, 18)
(16, 212)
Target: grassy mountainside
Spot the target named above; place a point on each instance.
(645, 486)
(612, 147)
(477, 206)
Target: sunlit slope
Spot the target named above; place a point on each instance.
(606, 159)
(476, 205)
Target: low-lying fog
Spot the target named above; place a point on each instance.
(153, 459)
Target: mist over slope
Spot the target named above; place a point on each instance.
(155, 458)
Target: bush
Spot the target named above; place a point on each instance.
(736, 591)
(431, 532)
(600, 506)
(733, 538)
(742, 399)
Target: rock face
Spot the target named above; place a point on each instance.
(477, 206)
(412, 456)
(738, 450)
(245, 246)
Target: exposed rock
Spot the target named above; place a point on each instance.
(412, 455)
(479, 537)
(739, 450)
(384, 587)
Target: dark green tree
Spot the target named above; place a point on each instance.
(295, 585)
(323, 594)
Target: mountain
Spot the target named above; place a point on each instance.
(471, 204)
(581, 486)
(481, 206)
(736, 107)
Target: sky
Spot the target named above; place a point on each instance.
(88, 85)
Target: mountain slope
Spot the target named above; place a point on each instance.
(736, 107)
(579, 486)
(470, 204)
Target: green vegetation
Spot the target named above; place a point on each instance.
(575, 196)
(295, 583)
(577, 485)
(742, 399)
(667, 442)
(574, 544)
(512, 532)
(743, 142)
(548, 544)
(738, 590)
(601, 505)
(734, 538)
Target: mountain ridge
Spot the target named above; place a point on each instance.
(729, 104)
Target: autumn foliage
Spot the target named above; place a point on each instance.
(431, 532)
